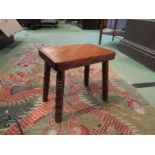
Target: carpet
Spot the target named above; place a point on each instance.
(84, 112)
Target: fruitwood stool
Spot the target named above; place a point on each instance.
(63, 57)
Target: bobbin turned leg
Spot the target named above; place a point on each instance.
(46, 82)
(86, 75)
(105, 81)
(59, 96)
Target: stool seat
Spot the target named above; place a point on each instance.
(63, 57)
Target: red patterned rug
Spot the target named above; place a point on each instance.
(84, 111)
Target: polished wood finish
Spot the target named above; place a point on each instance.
(105, 80)
(59, 95)
(71, 56)
(66, 57)
(86, 75)
(46, 82)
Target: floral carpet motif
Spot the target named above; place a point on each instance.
(84, 112)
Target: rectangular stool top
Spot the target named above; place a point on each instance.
(63, 57)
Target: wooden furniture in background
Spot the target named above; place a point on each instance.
(88, 23)
(61, 58)
(114, 32)
(30, 23)
(37, 23)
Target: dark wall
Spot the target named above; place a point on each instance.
(141, 32)
(139, 42)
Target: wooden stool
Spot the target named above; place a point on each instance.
(61, 58)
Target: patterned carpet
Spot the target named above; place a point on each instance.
(126, 113)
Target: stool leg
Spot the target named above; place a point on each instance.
(86, 75)
(105, 81)
(46, 82)
(59, 96)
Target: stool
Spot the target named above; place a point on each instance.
(64, 57)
